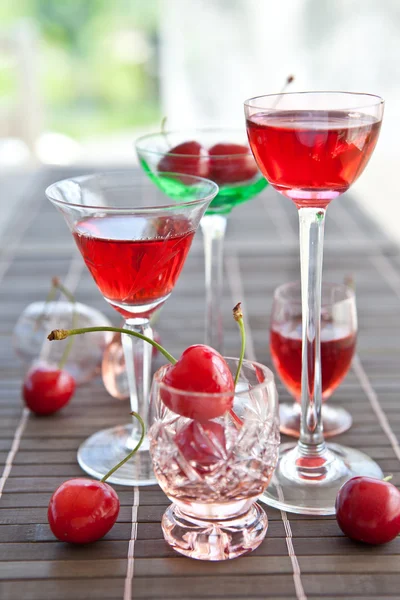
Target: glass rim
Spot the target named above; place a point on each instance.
(148, 136)
(270, 378)
(279, 295)
(129, 209)
(377, 100)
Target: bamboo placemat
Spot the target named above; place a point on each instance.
(301, 557)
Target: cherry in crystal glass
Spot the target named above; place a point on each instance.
(338, 344)
(311, 147)
(134, 240)
(214, 471)
(222, 155)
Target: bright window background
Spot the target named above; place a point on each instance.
(80, 79)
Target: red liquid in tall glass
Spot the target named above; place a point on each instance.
(337, 350)
(312, 156)
(133, 261)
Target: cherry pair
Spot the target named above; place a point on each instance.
(224, 163)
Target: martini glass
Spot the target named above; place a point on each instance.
(311, 149)
(222, 155)
(338, 344)
(134, 240)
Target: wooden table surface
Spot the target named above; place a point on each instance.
(301, 557)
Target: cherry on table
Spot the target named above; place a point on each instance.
(82, 510)
(46, 388)
(368, 510)
(201, 371)
(189, 158)
(231, 163)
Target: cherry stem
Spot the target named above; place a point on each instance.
(61, 334)
(128, 456)
(52, 291)
(49, 298)
(238, 316)
(237, 420)
(388, 478)
(164, 132)
(349, 282)
(58, 285)
(288, 81)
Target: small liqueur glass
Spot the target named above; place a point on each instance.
(214, 471)
(338, 344)
(227, 160)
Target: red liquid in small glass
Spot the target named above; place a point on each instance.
(337, 350)
(312, 156)
(133, 261)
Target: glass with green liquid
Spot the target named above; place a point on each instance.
(223, 156)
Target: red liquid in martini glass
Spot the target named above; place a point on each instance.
(134, 263)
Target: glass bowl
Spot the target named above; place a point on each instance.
(219, 154)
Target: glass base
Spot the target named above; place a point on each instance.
(335, 419)
(106, 448)
(308, 485)
(214, 540)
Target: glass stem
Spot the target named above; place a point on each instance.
(138, 355)
(213, 228)
(312, 221)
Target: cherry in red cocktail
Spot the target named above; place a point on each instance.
(133, 262)
(312, 156)
(337, 350)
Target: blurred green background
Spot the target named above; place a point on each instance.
(85, 45)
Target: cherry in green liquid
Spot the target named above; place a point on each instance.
(225, 169)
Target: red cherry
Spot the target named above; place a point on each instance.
(46, 389)
(368, 510)
(82, 510)
(200, 369)
(231, 163)
(202, 443)
(189, 158)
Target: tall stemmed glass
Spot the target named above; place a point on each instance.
(311, 149)
(134, 240)
(222, 155)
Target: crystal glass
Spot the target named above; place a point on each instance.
(134, 240)
(338, 344)
(37, 319)
(311, 147)
(214, 471)
(222, 155)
